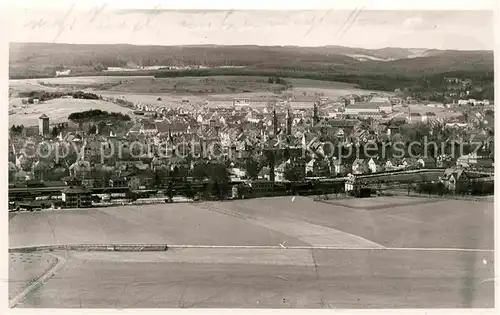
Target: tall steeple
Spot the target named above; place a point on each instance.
(315, 113)
(275, 121)
(288, 122)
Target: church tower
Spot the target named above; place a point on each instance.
(315, 113)
(288, 122)
(275, 122)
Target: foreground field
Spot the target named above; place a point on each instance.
(284, 252)
(152, 224)
(24, 268)
(395, 221)
(386, 221)
(240, 278)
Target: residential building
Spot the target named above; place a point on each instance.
(374, 166)
(148, 128)
(392, 130)
(475, 161)
(241, 102)
(384, 104)
(391, 165)
(336, 167)
(410, 163)
(456, 180)
(427, 162)
(77, 197)
(456, 125)
(374, 115)
(360, 166)
(414, 118)
(118, 182)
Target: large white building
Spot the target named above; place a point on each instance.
(362, 107)
(63, 73)
(241, 102)
(384, 103)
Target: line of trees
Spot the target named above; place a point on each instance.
(84, 95)
(474, 188)
(16, 129)
(277, 80)
(45, 96)
(97, 114)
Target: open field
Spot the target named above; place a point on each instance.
(90, 80)
(151, 224)
(18, 86)
(377, 203)
(280, 252)
(58, 110)
(436, 224)
(234, 85)
(146, 89)
(198, 85)
(225, 88)
(24, 268)
(237, 278)
(267, 222)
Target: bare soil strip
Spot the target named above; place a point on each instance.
(313, 234)
(60, 261)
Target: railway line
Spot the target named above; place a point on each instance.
(310, 186)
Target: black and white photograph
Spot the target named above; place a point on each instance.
(231, 158)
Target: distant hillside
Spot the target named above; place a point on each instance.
(373, 54)
(435, 62)
(44, 59)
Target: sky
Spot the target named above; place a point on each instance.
(464, 30)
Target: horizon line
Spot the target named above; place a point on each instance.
(254, 45)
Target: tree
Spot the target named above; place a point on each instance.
(188, 191)
(158, 176)
(218, 176)
(252, 168)
(131, 196)
(55, 132)
(199, 171)
(134, 183)
(101, 126)
(270, 80)
(170, 190)
(16, 129)
(293, 173)
(92, 129)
